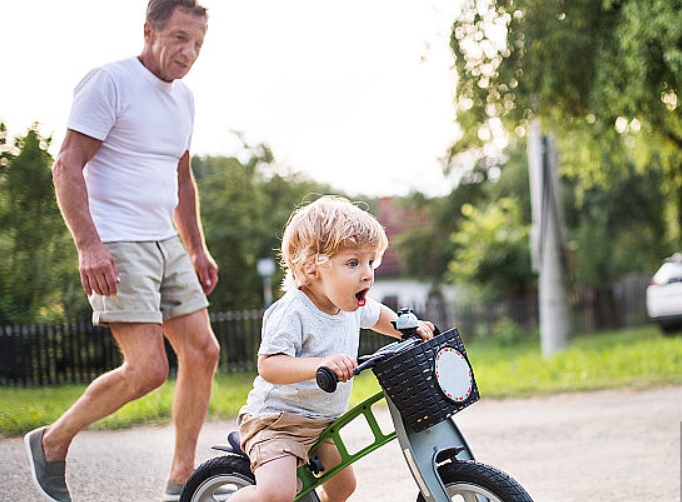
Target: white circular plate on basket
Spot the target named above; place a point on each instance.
(453, 374)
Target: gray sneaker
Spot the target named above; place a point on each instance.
(172, 491)
(49, 477)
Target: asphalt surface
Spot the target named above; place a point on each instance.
(617, 446)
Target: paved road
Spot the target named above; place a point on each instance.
(611, 446)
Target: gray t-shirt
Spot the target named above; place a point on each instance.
(296, 327)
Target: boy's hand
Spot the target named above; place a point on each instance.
(342, 366)
(426, 330)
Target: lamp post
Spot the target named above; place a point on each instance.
(266, 267)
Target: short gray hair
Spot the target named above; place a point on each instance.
(160, 11)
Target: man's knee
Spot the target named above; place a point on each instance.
(147, 377)
(205, 352)
(213, 351)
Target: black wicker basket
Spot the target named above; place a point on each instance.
(413, 382)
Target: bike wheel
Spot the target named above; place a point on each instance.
(470, 481)
(217, 479)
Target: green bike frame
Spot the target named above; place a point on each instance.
(423, 451)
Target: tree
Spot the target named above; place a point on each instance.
(36, 280)
(426, 250)
(492, 250)
(604, 76)
(244, 209)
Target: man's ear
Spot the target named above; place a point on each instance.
(148, 31)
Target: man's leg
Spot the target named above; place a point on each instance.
(198, 351)
(144, 368)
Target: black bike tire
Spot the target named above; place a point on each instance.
(468, 474)
(228, 466)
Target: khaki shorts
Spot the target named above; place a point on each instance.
(158, 282)
(271, 436)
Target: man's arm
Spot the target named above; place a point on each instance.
(97, 267)
(188, 222)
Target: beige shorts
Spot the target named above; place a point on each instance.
(275, 435)
(158, 282)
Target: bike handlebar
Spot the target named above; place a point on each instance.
(406, 322)
(328, 381)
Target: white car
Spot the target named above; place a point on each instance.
(664, 295)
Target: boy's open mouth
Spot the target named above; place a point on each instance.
(361, 298)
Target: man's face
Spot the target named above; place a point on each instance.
(176, 47)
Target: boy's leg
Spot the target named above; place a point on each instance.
(276, 481)
(341, 486)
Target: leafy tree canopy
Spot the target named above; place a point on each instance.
(604, 76)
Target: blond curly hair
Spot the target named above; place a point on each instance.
(320, 230)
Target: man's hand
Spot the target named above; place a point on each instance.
(207, 271)
(98, 271)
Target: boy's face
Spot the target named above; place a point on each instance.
(343, 283)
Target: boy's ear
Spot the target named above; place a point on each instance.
(312, 272)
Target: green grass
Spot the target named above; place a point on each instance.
(635, 359)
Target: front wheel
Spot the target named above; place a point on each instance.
(216, 480)
(467, 480)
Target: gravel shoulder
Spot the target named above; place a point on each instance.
(610, 446)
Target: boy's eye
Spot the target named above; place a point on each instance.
(353, 263)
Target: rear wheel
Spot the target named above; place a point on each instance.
(216, 480)
(470, 481)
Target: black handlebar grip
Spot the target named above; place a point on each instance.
(369, 363)
(326, 379)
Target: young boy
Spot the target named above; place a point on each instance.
(330, 249)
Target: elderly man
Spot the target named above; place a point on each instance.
(125, 188)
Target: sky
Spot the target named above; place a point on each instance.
(357, 94)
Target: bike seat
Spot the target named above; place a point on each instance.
(233, 446)
(235, 442)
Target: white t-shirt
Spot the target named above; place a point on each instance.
(145, 125)
(296, 327)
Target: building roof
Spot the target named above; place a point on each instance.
(397, 217)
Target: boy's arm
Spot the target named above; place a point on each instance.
(282, 369)
(385, 327)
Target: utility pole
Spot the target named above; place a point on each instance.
(548, 249)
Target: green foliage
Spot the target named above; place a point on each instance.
(508, 333)
(608, 245)
(244, 209)
(36, 282)
(425, 249)
(492, 250)
(604, 76)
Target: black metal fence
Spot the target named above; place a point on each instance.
(79, 352)
(621, 305)
(48, 355)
